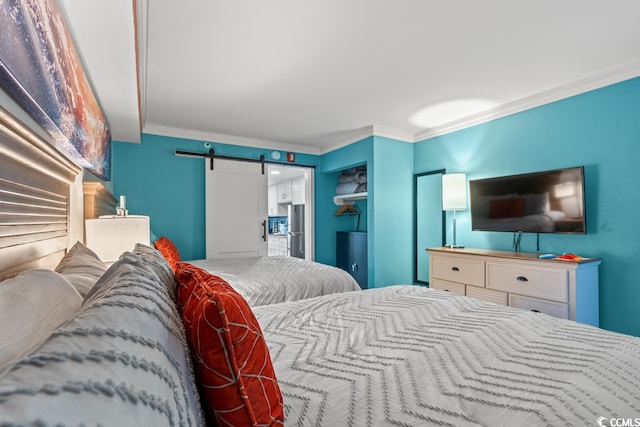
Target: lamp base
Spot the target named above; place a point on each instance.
(454, 246)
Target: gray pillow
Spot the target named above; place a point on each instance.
(32, 305)
(122, 360)
(159, 263)
(82, 267)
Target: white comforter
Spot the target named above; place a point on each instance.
(270, 280)
(411, 356)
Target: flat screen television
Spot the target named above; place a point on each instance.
(541, 202)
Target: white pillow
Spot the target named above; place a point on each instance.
(82, 267)
(33, 305)
(122, 360)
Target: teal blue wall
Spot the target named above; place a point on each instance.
(392, 202)
(170, 188)
(389, 212)
(598, 129)
(327, 223)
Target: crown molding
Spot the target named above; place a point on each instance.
(596, 81)
(356, 135)
(349, 137)
(391, 133)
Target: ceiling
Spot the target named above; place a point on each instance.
(315, 75)
(281, 173)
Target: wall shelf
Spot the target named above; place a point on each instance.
(347, 199)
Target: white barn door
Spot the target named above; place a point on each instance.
(236, 209)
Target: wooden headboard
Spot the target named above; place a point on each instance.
(98, 200)
(35, 181)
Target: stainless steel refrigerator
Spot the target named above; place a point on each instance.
(296, 231)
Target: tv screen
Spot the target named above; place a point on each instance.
(540, 202)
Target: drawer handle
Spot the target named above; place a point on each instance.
(455, 269)
(522, 279)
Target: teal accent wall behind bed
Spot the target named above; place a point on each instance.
(170, 188)
(600, 130)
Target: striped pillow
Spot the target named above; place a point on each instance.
(238, 385)
(121, 361)
(160, 265)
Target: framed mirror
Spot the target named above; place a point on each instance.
(429, 220)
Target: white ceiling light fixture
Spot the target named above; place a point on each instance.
(446, 112)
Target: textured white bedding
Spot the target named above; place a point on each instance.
(275, 279)
(411, 356)
(121, 360)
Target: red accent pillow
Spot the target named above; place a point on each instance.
(238, 385)
(168, 251)
(506, 208)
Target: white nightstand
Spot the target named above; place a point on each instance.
(110, 236)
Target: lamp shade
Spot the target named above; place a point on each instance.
(454, 192)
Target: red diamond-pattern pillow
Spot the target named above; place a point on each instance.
(168, 250)
(237, 383)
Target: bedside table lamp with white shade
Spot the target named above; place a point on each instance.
(111, 235)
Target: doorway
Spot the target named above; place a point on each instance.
(289, 186)
(429, 220)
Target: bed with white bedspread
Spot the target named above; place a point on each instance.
(119, 353)
(409, 356)
(275, 279)
(401, 355)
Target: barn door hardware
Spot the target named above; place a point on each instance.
(211, 154)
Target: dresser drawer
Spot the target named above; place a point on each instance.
(554, 309)
(487, 295)
(460, 270)
(443, 285)
(551, 284)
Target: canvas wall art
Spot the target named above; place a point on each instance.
(40, 68)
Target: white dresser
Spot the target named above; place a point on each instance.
(565, 289)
